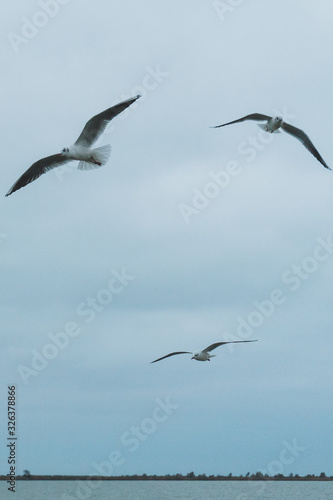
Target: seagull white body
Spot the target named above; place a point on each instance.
(274, 124)
(203, 355)
(94, 158)
(81, 150)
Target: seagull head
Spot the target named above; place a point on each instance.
(278, 120)
(65, 151)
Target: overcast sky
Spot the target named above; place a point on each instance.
(188, 236)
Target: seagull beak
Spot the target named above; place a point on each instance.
(192, 357)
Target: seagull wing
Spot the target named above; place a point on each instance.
(254, 116)
(94, 128)
(217, 344)
(171, 354)
(305, 140)
(37, 169)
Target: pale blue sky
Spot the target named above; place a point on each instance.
(78, 351)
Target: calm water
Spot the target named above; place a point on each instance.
(168, 490)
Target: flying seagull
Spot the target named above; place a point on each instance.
(81, 150)
(204, 354)
(273, 124)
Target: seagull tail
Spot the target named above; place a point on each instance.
(100, 156)
(264, 127)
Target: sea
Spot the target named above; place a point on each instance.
(168, 490)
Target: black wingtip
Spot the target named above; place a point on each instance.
(12, 190)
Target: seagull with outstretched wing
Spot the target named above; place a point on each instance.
(81, 150)
(203, 355)
(274, 124)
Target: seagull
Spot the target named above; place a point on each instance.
(80, 150)
(273, 124)
(204, 354)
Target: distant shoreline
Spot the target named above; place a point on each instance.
(176, 477)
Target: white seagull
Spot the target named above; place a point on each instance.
(80, 150)
(204, 354)
(273, 124)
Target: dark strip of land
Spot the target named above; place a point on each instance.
(258, 476)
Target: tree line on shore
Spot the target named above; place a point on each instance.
(258, 476)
